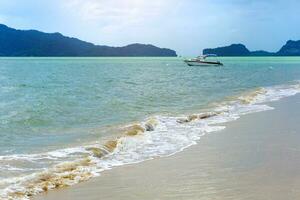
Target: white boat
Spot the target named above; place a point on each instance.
(201, 61)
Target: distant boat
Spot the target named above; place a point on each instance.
(201, 61)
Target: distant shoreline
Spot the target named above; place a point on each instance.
(90, 56)
(15, 42)
(251, 56)
(291, 48)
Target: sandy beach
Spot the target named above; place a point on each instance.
(255, 157)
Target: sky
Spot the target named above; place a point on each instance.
(187, 26)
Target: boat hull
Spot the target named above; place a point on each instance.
(203, 63)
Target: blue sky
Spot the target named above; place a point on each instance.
(186, 26)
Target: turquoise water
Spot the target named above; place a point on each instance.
(55, 103)
(48, 102)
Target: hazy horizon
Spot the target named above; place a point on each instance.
(185, 26)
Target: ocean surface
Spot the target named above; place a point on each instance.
(65, 120)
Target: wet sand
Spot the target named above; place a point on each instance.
(256, 157)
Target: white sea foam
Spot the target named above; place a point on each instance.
(156, 137)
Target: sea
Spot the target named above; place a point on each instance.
(65, 120)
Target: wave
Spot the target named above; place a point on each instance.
(157, 136)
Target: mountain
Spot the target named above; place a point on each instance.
(262, 53)
(291, 48)
(232, 50)
(35, 43)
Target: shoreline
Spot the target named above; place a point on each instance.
(245, 157)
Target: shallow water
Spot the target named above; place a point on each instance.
(52, 109)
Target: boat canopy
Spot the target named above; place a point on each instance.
(206, 55)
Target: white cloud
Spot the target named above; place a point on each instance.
(109, 13)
